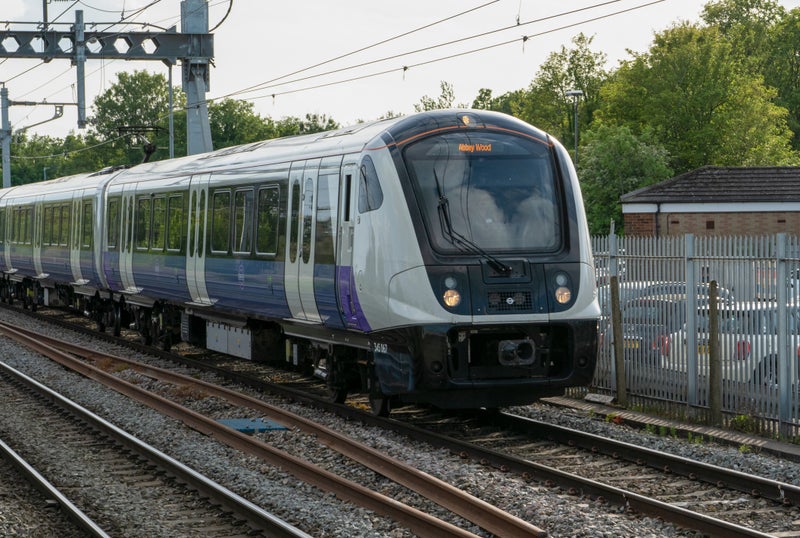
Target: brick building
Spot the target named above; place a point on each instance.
(717, 201)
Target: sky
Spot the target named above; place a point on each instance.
(387, 55)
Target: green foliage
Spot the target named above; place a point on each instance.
(445, 99)
(783, 74)
(614, 161)
(233, 122)
(744, 424)
(703, 107)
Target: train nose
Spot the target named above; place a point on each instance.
(516, 352)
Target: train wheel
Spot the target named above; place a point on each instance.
(379, 405)
(337, 394)
(116, 312)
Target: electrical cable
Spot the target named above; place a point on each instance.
(261, 85)
(267, 84)
(456, 55)
(230, 6)
(410, 66)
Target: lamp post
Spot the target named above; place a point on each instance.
(576, 95)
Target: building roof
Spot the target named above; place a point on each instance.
(719, 184)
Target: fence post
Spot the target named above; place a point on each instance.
(691, 322)
(784, 367)
(616, 322)
(714, 361)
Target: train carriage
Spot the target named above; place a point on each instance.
(443, 257)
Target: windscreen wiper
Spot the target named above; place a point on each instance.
(458, 239)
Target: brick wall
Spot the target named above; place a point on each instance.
(643, 224)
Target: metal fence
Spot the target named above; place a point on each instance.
(664, 311)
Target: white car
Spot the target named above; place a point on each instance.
(748, 343)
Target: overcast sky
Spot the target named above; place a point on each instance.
(258, 41)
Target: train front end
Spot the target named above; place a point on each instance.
(501, 310)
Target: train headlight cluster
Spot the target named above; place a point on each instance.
(451, 296)
(563, 292)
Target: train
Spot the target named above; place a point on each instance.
(440, 258)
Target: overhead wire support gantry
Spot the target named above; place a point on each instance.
(193, 46)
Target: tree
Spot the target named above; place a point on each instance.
(233, 122)
(546, 103)
(783, 59)
(445, 99)
(701, 104)
(135, 109)
(613, 162)
(745, 23)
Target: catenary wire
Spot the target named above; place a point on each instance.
(269, 84)
(407, 67)
(448, 57)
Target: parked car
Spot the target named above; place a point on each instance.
(648, 322)
(748, 343)
(634, 289)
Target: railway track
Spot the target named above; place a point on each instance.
(711, 501)
(480, 513)
(112, 484)
(30, 503)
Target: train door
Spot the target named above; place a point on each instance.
(346, 288)
(127, 239)
(299, 272)
(196, 240)
(76, 239)
(36, 239)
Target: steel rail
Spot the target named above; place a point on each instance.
(483, 514)
(45, 487)
(258, 517)
(758, 486)
(416, 520)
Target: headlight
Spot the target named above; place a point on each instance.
(451, 298)
(563, 294)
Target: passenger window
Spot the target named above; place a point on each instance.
(327, 191)
(63, 238)
(47, 226)
(175, 223)
(159, 223)
(268, 214)
(243, 222)
(87, 224)
(308, 215)
(370, 195)
(295, 194)
(112, 224)
(28, 226)
(143, 208)
(221, 222)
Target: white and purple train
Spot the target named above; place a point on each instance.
(441, 257)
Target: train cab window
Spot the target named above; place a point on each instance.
(86, 225)
(2, 226)
(143, 219)
(370, 194)
(499, 191)
(159, 223)
(243, 222)
(112, 224)
(175, 222)
(268, 214)
(221, 222)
